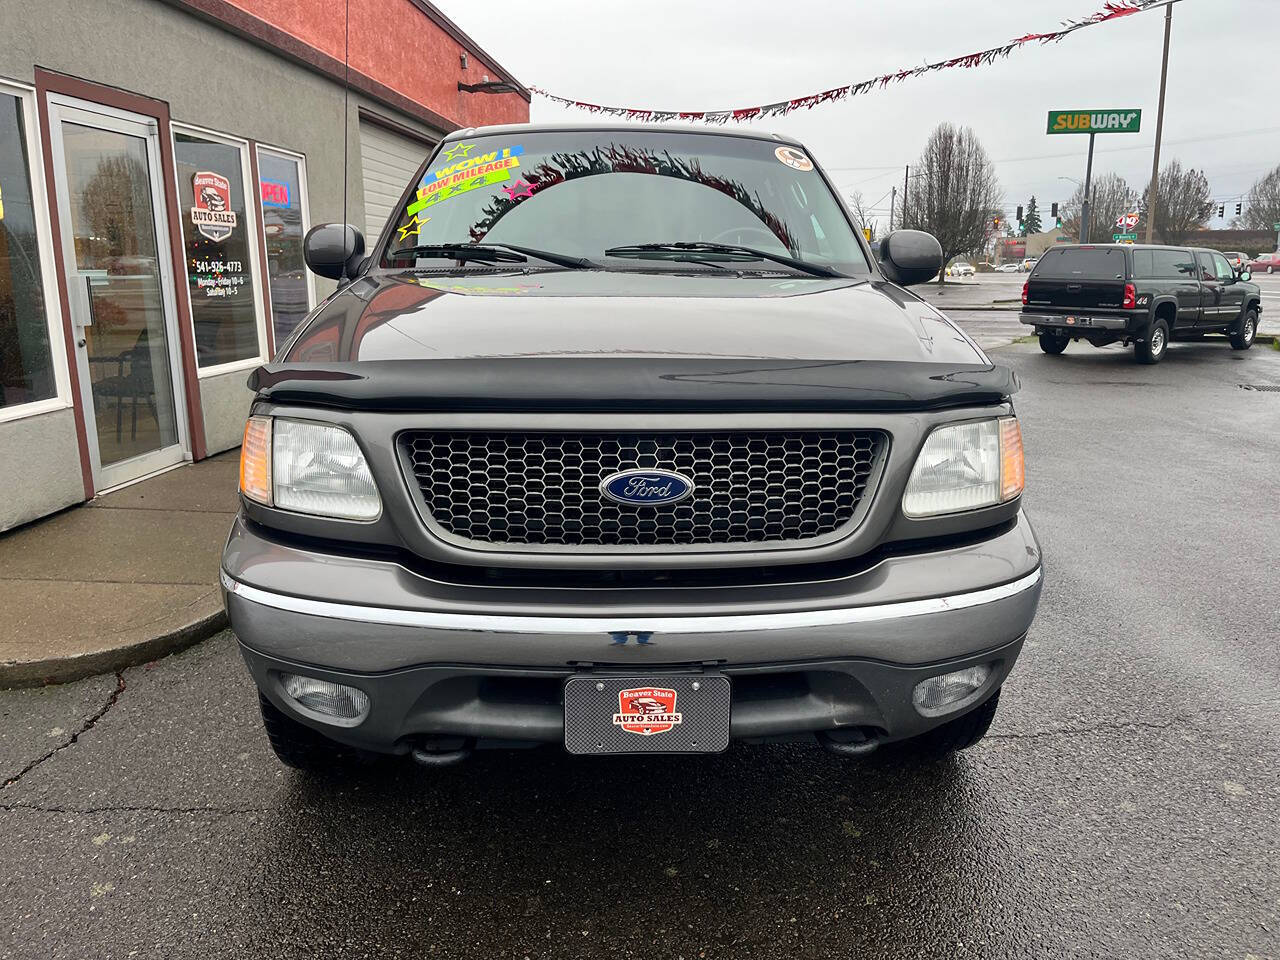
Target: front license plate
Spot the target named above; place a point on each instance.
(685, 713)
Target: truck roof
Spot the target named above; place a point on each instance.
(746, 133)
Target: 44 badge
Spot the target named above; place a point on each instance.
(647, 710)
(212, 215)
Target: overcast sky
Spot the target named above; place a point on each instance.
(1222, 113)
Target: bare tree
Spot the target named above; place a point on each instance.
(1262, 204)
(953, 192)
(862, 215)
(1182, 203)
(1112, 199)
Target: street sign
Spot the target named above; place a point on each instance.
(1124, 238)
(1275, 226)
(1095, 121)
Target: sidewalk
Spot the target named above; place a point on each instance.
(127, 578)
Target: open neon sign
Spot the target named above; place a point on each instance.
(275, 194)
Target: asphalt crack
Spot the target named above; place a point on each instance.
(134, 808)
(84, 728)
(1106, 728)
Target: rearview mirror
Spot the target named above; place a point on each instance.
(333, 250)
(910, 256)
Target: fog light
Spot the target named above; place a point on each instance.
(939, 694)
(346, 705)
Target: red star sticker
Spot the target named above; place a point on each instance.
(519, 189)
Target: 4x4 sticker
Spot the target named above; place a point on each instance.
(212, 214)
(647, 710)
(467, 174)
(793, 158)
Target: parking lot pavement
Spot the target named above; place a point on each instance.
(1126, 804)
(989, 328)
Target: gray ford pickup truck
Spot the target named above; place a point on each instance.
(623, 439)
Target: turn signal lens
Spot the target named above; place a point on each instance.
(966, 466)
(1012, 470)
(255, 460)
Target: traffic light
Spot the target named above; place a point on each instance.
(1237, 209)
(995, 223)
(1053, 211)
(1019, 214)
(1220, 211)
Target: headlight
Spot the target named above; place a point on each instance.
(966, 466)
(308, 468)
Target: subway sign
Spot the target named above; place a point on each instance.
(1094, 121)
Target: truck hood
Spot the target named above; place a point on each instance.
(502, 339)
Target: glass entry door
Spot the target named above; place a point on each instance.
(116, 252)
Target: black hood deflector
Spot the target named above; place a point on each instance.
(639, 384)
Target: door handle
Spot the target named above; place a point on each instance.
(88, 292)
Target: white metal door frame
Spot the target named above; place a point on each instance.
(69, 109)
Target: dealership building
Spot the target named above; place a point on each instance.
(160, 162)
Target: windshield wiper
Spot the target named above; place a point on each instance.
(729, 250)
(491, 252)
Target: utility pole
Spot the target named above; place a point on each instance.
(1084, 201)
(1155, 163)
(905, 172)
(893, 196)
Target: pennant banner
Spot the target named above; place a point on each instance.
(1112, 10)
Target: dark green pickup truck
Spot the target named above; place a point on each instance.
(1140, 295)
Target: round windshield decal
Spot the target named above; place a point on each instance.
(793, 158)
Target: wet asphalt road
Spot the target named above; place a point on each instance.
(1127, 803)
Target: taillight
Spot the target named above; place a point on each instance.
(1025, 284)
(1130, 297)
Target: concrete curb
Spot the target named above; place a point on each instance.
(37, 673)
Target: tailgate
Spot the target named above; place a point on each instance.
(1074, 294)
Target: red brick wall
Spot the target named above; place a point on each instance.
(395, 43)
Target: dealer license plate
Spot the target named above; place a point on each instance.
(685, 713)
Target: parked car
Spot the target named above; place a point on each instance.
(985, 266)
(1029, 264)
(1140, 295)
(1011, 266)
(514, 487)
(1265, 263)
(960, 269)
(1237, 260)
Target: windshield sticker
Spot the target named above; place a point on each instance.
(468, 174)
(413, 227)
(521, 188)
(458, 150)
(793, 158)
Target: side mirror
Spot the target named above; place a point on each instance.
(1245, 274)
(333, 250)
(910, 256)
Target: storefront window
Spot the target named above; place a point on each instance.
(217, 236)
(280, 179)
(26, 361)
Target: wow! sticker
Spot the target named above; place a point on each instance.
(465, 174)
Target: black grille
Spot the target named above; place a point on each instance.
(543, 488)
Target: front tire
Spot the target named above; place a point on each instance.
(1053, 344)
(1243, 338)
(955, 735)
(297, 745)
(1156, 344)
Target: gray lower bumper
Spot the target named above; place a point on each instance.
(1081, 323)
(470, 662)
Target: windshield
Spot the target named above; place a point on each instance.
(580, 193)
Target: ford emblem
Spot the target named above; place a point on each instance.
(646, 488)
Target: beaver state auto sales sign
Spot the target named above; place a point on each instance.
(647, 710)
(212, 214)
